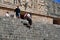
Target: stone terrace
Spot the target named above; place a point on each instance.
(13, 29)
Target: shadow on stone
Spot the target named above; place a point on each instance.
(28, 26)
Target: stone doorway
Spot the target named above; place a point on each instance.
(56, 21)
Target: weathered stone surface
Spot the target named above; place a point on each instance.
(13, 29)
(41, 19)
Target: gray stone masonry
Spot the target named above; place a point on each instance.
(13, 29)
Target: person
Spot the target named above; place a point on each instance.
(7, 14)
(17, 10)
(28, 17)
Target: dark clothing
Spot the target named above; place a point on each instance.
(29, 21)
(17, 10)
(28, 18)
(22, 16)
(17, 14)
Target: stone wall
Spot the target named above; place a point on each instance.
(34, 17)
(3, 12)
(42, 19)
(13, 29)
(33, 6)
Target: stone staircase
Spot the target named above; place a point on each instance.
(13, 29)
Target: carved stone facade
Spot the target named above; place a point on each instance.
(32, 6)
(53, 8)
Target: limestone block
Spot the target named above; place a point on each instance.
(42, 19)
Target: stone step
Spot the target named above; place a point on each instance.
(13, 29)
